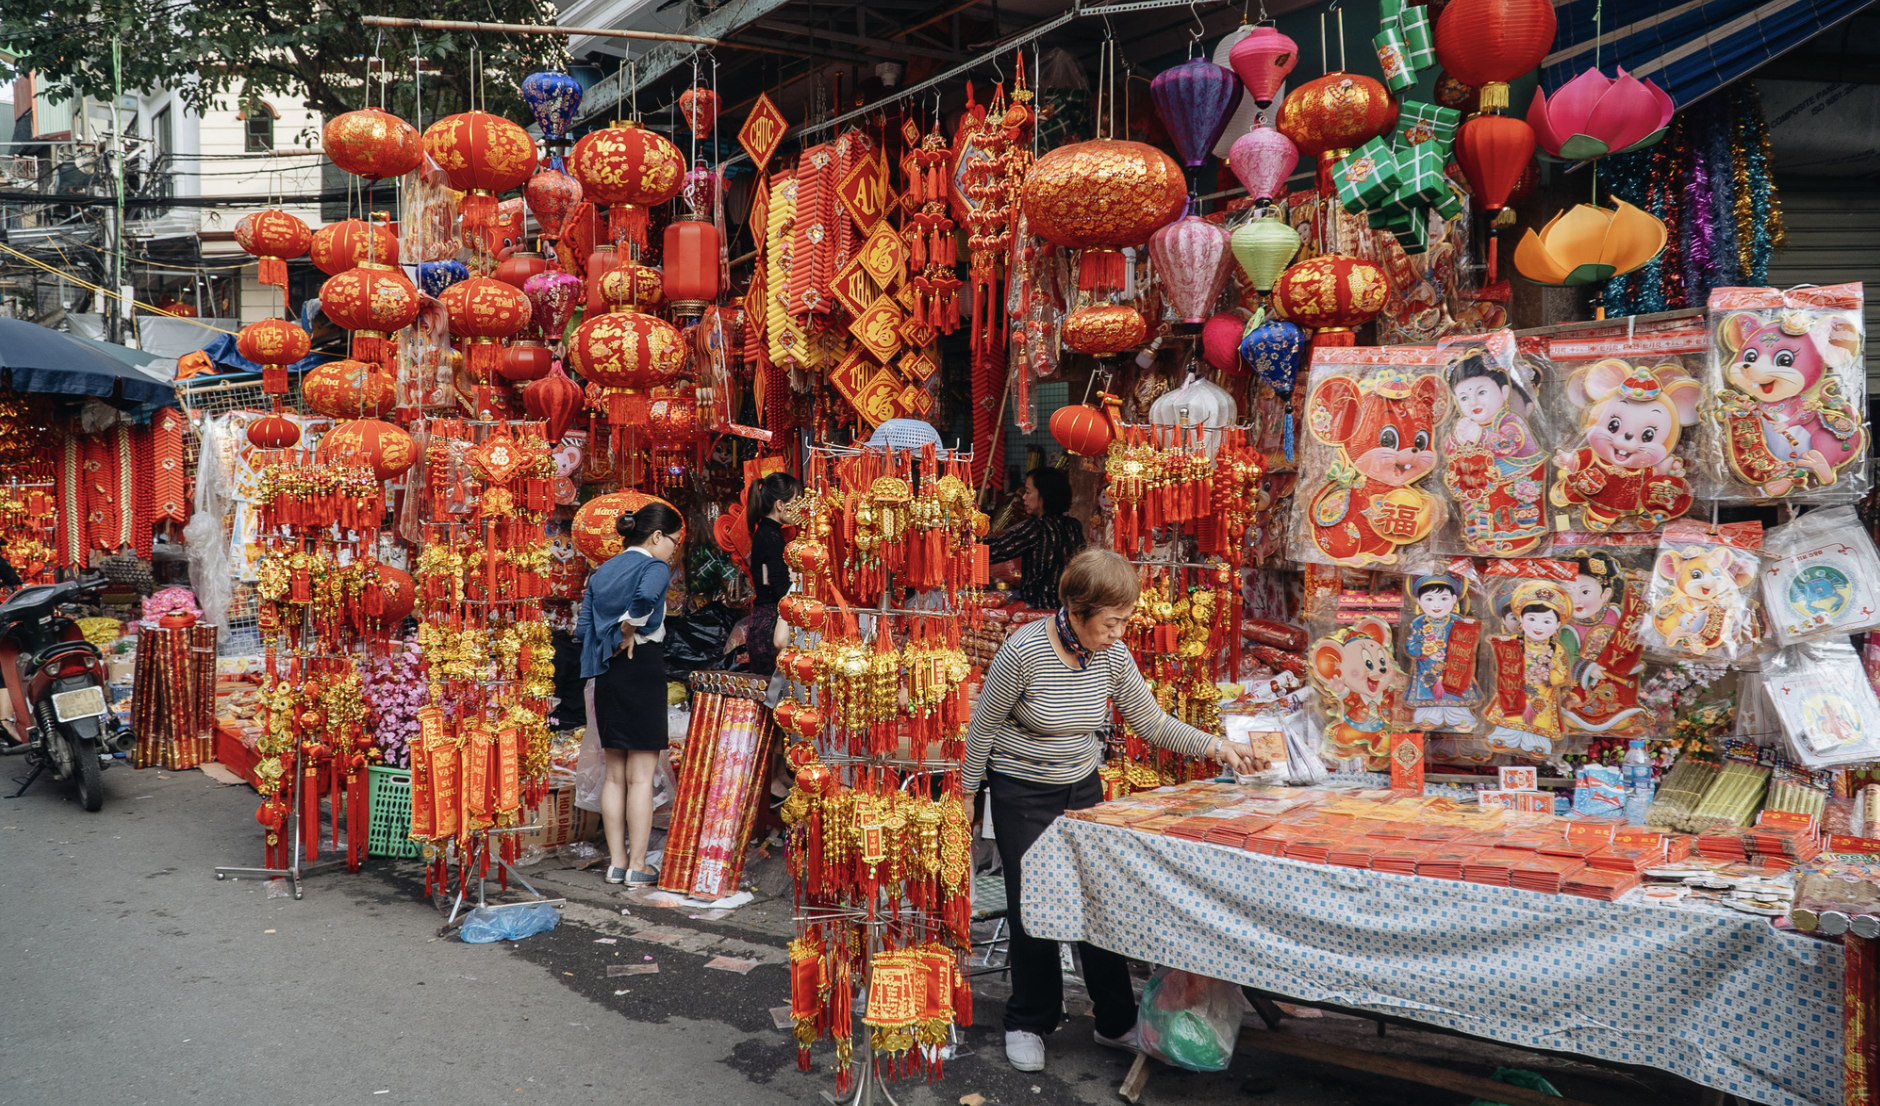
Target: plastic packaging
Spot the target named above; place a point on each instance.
(1493, 462)
(1360, 690)
(1608, 597)
(1821, 577)
(1441, 641)
(509, 923)
(1638, 782)
(1820, 697)
(1531, 665)
(1701, 602)
(590, 771)
(1190, 1020)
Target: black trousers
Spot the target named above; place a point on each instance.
(1020, 812)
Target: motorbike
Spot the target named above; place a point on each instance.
(56, 682)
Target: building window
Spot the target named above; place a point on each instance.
(258, 128)
(161, 132)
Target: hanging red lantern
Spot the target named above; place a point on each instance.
(485, 311)
(1333, 115)
(378, 445)
(552, 195)
(1488, 43)
(388, 594)
(690, 274)
(273, 344)
(348, 390)
(631, 284)
(481, 154)
(555, 399)
(673, 421)
(519, 266)
(600, 261)
(372, 144)
(1084, 430)
(1493, 151)
(1101, 196)
(273, 432)
(593, 527)
(344, 245)
(1220, 344)
(700, 108)
(273, 236)
(528, 359)
(626, 352)
(1104, 329)
(372, 301)
(630, 169)
(554, 296)
(1330, 295)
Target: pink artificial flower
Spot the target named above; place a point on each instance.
(1593, 115)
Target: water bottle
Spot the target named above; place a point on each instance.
(1638, 782)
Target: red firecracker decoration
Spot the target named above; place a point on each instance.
(273, 236)
(481, 154)
(372, 144)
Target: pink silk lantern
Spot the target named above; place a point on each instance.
(554, 297)
(1262, 60)
(1192, 259)
(552, 196)
(1263, 158)
(1220, 343)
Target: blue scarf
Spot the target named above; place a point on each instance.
(1069, 636)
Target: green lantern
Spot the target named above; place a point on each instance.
(1264, 247)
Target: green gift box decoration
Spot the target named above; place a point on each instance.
(1414, 238)
(1391, 59)
(1420, 176)
(1365, 177)
(1418, 123)
(1392, 217)
(1449, 204)
(1419, 45)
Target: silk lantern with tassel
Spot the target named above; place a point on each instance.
(1264, 247)
(1273, 348)
(553, 297)
(373, 300)
(372, 144)
(1493, 151)
(273, 344)
(1195, 100)
(553, 98)
(1333, 115)
(1101, 196)
(273, 236)
(699, 108)
(373, 443)
(1331, 295)
(1262, 159)
(555, 399)
(485, 311)
(1262, 60)
(435, 276)
(337, 247)
(630, 169)
(480, 154)
(1488, 43)
(626, 353)
(1192, 261)
(552, 195)
(1220, 344)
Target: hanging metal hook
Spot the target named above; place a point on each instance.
(1194, 36)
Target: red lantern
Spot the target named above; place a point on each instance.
(528, 359)
(1104, 329)
(1083, 430)
(673, 421)
(273, 236)
(485, 311)
(600, 261)
(700, 108)
(273, 344)
(372, 144)
(1220, 343)
(519, 266)
(552, 195)
(554, 399)
(691, 266)
(1102, 196)
(380, 446)
(348, 390)
(1330, 295)
(631, 284)
(1488, 43)
(350, 243)
(626, 352)
(273, 432)
(481, 154)
(1333, 115)
(1494, 151)
(630, 169)
(389, 595)
(372, 301)
(593, 526)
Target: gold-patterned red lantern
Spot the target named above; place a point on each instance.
(372, 144)
(630, 169)
(388, 595)
(673, 421)
(371, 300)
(631, 284)
(273, 432)
(1102, 196)
(348, 390)
(593, 526)
(372, 443)
(481, 154)
(626, 352)
(519, 266)
(485, 311)
(552, 196)
(1330, 295)
(273, 344)
(273, 236)
(1104, 329)
(350, 243)
(1333, 115)
(528, 359)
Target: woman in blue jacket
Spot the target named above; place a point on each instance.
(622, 627)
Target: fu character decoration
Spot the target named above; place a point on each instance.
(1383, 431)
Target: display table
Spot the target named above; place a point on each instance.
(1717, 997)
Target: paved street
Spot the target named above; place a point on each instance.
(135, 977)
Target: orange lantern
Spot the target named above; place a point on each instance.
(594, 533)
(1101, 196)
(600, 261)
(555, 399)
(372, 301)
(373, 443)
(528, 359)
(273, 236)
(519, 266)
(273, 432)
(273, 344)
(350, 243)
(1103, 329)
(1084, 430)
(372, 144)
(631, 284)
(626, 352)
(485, 311)
(630, 169)
(348, 390)
(1333, 115)
(691, 266)
(1330, 295)
(481, 154)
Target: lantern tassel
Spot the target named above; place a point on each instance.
(478, 208)
(485, 358)
(368, 346)
(627, 223)
(273, 270)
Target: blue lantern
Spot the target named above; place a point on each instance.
(435, 276)
(553, 97)
(1273, 347)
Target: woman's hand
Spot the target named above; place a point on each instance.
(626, 645)
(1241, 759)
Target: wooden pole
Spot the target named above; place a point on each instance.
(564, 32)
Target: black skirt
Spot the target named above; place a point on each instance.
(630, 700)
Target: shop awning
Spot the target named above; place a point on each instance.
(1689, 47)
(39, 359)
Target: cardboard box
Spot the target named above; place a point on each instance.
(558, 821)
(1495, 798)
(1534, 802)
(1520, 778)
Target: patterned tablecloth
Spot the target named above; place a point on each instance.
(1720, 998)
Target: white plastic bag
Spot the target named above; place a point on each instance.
(590, 771)
(1190, 1020)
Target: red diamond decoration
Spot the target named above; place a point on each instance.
(763, 131)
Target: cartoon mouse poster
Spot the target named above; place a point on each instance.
(1788, 425)
(1627, 476)
(1382, 430)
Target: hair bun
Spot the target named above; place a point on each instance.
(623, 523)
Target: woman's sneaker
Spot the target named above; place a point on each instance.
(615, 875)
(1023, 1050)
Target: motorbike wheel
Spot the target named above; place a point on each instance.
(89, 775)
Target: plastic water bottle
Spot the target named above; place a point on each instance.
(1638, 782)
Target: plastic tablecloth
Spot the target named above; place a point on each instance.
(1718, 997)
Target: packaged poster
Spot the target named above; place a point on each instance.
(1820, 697)
(1440, 644)
(1532, 664)
(1788, 381)
(1360, 690)
(1493, 464)
(1608, 659)
(1701, 601)
(1820, 577)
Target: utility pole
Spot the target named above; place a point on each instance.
(115, 237)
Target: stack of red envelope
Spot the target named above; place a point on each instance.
(1235, 831)
(1534, 837)
(1723, 843)
(1356, 852)
(1192, 829)
(1544, 873)
(1625, 858)
(1591, 883)
(1446, 861)
(1313, 849)
(1401, 859)
(1494, 867)
(1273, 840)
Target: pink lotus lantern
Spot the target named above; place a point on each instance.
(1262, 60)
(553, 297)
(1192, 260)
(1263, 158)
(1593, 115)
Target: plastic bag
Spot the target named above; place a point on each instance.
(1531, 663)
(1190, 1020)
(1822, 577)
(1515, 1077)
(508, 923)
(1701, 602)
(1820, 696)
(590, 772)
(1494, 463)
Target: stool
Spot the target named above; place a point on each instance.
(988, 903)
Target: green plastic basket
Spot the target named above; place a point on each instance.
(390, 796)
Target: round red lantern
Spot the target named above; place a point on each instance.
(1330, 295)
(630, 169)
(555, 399)
(691, 266)
(389, 595)
(673, 421)
(273, 342)
(631, 284)
(1102, 196)
(1083, 430)
(485, 311)
(1328, 117)
(625, 352)
(1488, 43)
(273, 432)
(372, 144)
(350, 243)
(528, 359)
(481, 154)
(376, 444)
(372, 301)
(700, 108)
(552, 195)
(593, 526)
(1220, 343)
(519, 266)
(348, 390)
(1103, 329)
(273, 236)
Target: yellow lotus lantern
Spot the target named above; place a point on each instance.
(1588, 244)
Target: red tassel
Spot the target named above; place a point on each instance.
(273, 271)
(627, 223)
(478, 208)
(274, 380)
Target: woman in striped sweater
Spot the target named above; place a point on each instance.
(1034, 742)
